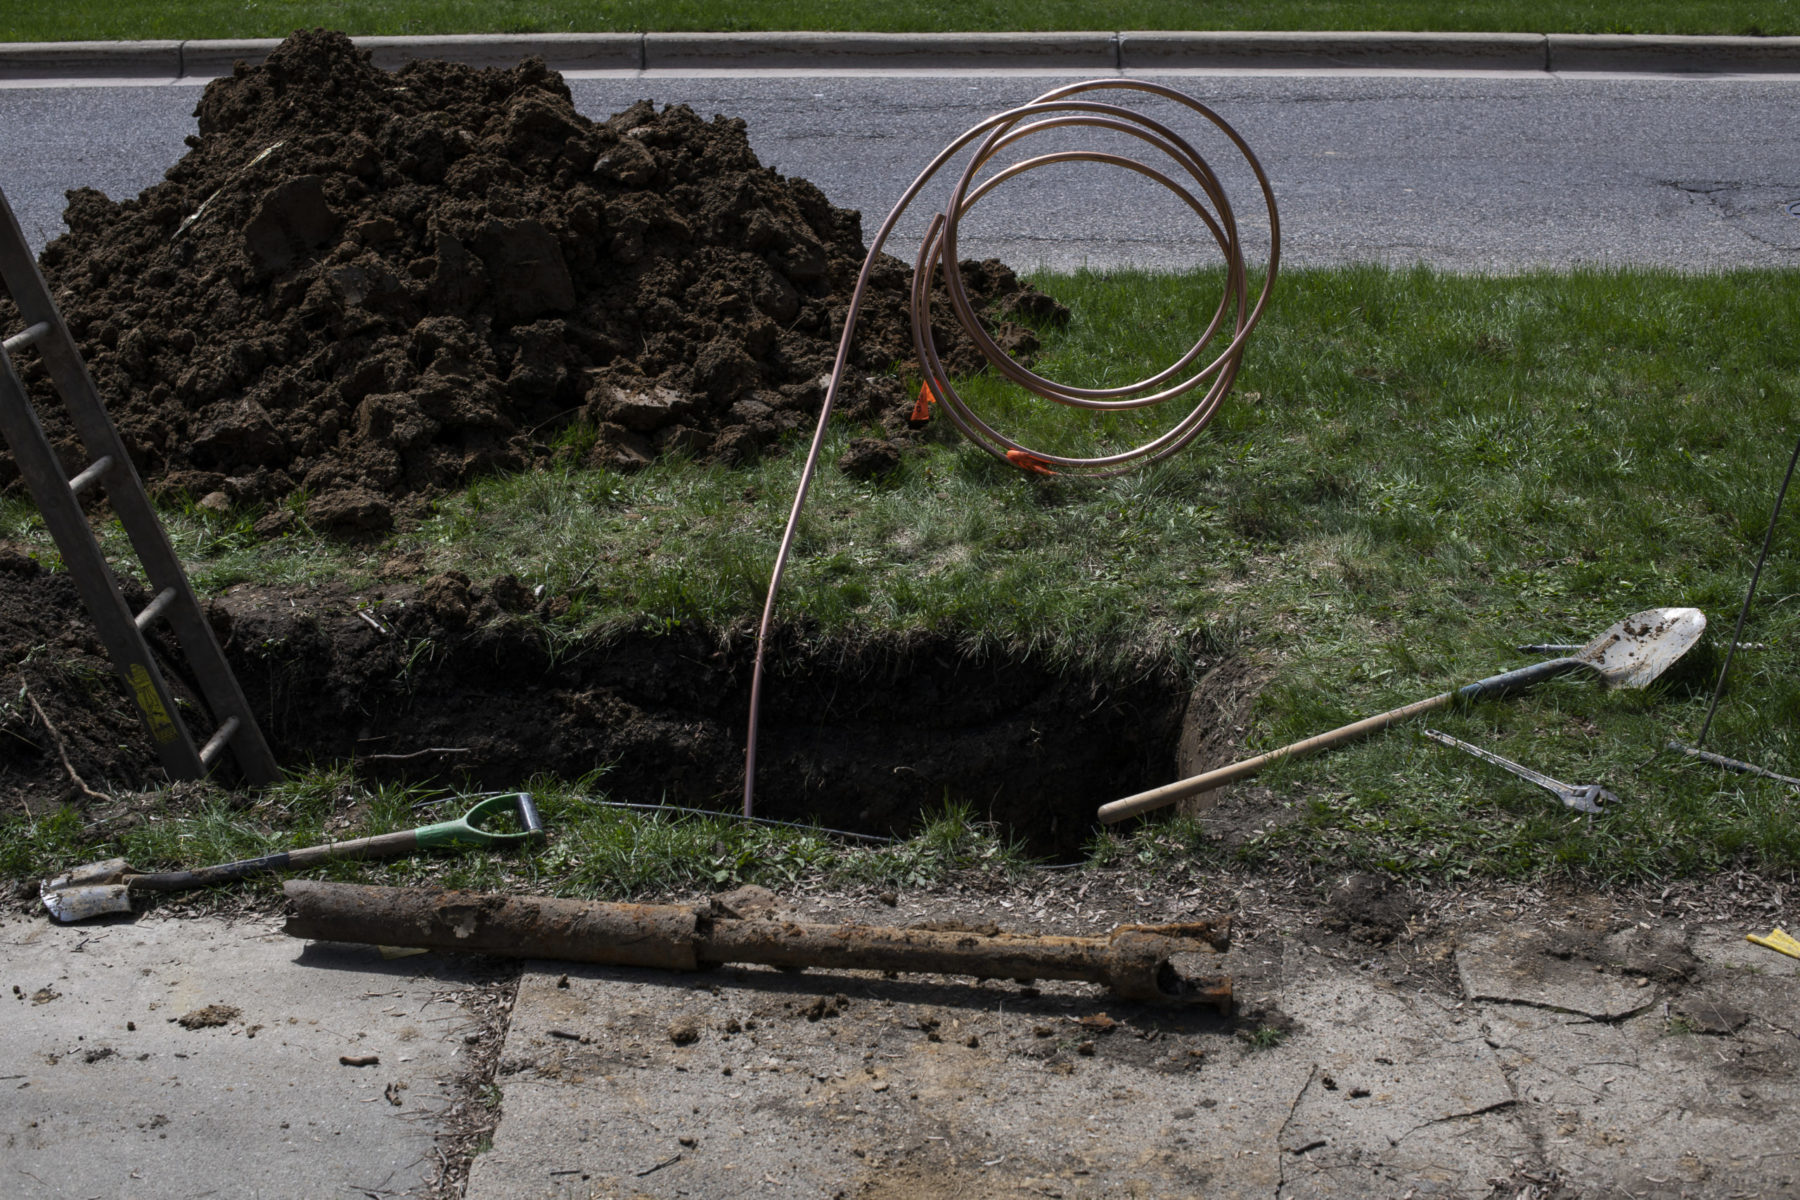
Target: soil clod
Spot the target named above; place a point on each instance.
(210, 1017)
(1370, 908)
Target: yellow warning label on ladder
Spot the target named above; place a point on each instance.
(162, 728)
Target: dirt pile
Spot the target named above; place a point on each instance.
(359, 286)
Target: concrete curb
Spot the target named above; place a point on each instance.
(90, 60)
(1148, 50)
(878, 51)
(1129, 51)
(564, 51)
(1681, 55)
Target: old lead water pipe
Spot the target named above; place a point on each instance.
(1137, 962)
(1056, 109)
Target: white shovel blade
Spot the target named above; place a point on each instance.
(1643, 645)
(82, 901)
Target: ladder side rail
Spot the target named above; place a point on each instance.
(125, 490)
(94, 579)
(219, 683)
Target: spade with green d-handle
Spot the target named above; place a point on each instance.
(1630, 654)
(107, 887)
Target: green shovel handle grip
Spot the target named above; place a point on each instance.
(463, 831)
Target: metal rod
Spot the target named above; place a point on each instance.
(1567, 647)
(1732, 764)
(19, 341)
(1755, 576)
(91, 475)
(156, 607)
(219, 740)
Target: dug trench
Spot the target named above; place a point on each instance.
(474, 686)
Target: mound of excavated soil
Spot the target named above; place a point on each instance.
(369, 286)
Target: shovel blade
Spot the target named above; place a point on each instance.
(107, 870)
(1643, 645)
(89, 890)
(81, 901)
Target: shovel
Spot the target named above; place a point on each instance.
(1629, 654)
(106, 887)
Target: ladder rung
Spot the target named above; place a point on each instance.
(89, 477)
(156, 607)
(217, 741)
(19, 341)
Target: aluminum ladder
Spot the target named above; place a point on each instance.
(59, 500)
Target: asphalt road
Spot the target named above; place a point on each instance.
(1477, 172)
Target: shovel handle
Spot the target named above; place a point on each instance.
(386, 845)
(1493, 685)
(1169, 793)
(447, 835)
(466, 831)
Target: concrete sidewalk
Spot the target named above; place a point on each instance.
(1101, 52)
(1543, 1070)
(1580, 1044)
(194, 1057)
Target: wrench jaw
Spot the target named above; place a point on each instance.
(1588, 798)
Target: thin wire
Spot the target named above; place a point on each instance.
(1738, 633)
(1055, 109)
(713, 812)
(698, 812)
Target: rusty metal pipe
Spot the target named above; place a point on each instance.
(1137, 962)
(619, 935)
(1133, 961)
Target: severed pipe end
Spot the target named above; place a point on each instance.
(1155, 964)
(1167, 980)
(1192, 991)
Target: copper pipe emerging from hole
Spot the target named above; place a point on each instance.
(1185, 174)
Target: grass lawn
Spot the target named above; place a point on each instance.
(81, 20)
(1416, 472)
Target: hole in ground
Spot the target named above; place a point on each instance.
(869, 735)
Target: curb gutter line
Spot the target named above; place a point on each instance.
(1127, 51)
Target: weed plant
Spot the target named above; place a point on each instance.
(1417, 472)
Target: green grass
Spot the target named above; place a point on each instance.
(124, 19)
(595, 850)
(1417, 471)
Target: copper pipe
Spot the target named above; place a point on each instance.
(1055, 109)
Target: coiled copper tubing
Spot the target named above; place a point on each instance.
(1202, 193)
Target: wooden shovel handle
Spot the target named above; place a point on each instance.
(1493, 685)
(1118, 810)
(385, 845)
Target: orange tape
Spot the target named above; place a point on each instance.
(1026, 461)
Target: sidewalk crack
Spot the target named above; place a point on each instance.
(1281, 1153)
